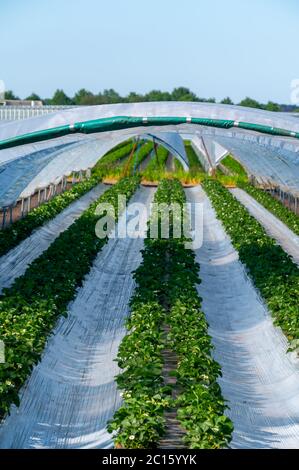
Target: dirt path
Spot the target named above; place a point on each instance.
(174, 432)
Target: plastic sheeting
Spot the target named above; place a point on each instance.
(181, 115)
(272, 160)
(173, 142)
(120, 116)
(18, 174)
(208, 151)
(15, 262)
(20, 178)
(71, 393)
(287, 239)
(275, 164)
(260, 380)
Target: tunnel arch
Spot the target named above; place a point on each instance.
(93, 130)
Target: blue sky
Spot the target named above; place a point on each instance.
(215, 47)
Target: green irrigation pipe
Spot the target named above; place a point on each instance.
(125, 122)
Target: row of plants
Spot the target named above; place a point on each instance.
(30, 308)
(272, 270)
(112, 158)
(273, 205)
(142, 151)
(200, 405)
(156, 166)
(194, 163)
(166, 295)
(234, 166)
(140, 422)
(156, 169)
(130, 164)
(21, 229)
(195, 174)
(141, 154)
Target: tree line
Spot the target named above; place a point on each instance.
(86, 98)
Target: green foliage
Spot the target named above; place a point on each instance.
(113, 159)
(226, 100)
(156, 169)
(270, 106)
(251, 103)
(132, 166)
(183, 94)
(194, 163)
(273, 205)
(83, 97)
(166, 293)
(33, 97)
(234, 166)
(157, 95)
(156, 165)
(271, 269)
(86, 98)
(60, 98)
(22, 228)
(9, 95)
(141, 154)
(30, 308)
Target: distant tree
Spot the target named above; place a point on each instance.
(60, 98)
(157, 95)
(84, 97)
(33, 97)
(9, 95)
(90, 100)
(133, 98)
(270, 106)
(226, 100)
(251, 103)
(183, 94)
(87, 98)
(111, 96)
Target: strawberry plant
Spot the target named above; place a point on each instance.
(22, 228)
(272, 270)
(166, 294)
(234, 166)
(273, 205)
(30, 308)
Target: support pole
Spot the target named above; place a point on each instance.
(10, 214)
(212, 168)
(3, 217)
(156, 152)
(22, 207)
(130, 158)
